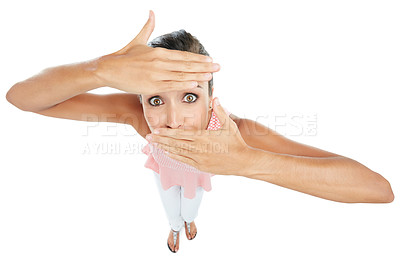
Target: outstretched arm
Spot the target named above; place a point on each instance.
(338, 179)
(135, 69)
(276, 159)
(244, 152)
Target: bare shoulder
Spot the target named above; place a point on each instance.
(235, 118)
(135, 116)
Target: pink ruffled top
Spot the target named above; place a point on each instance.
(173, 172)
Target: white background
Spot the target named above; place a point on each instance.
(336, 60)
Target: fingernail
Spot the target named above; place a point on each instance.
(216, 66)
(217, 101)
(148, 137)
(156, 131)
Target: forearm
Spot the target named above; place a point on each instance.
(335, 178)
(54, 85)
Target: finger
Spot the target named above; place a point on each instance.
(188, 66)
(147, 30)
(172, 142)
(183, 159)
(172, 149)
(221, 114)
(168, 85)
(178, 55)
(143, 35)
(178, 134)
(183, 76)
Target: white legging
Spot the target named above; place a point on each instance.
(177, 207)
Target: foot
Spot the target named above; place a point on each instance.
(193, 230)
(171, 241)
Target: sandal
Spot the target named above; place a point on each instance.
(175, 234)
(188, 229)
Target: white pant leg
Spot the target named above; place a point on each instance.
(190, 207)
(171, 200)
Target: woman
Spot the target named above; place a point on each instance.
(138, 69)
(181, 186)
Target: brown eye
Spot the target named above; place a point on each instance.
(191, 98)
(155, 101)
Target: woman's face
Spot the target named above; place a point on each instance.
(184, 109)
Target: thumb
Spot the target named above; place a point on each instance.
(221, 114)
(146, 31)
(143, 35)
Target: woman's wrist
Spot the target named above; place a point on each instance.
(99, 67)
(257, 164)
(246, 161)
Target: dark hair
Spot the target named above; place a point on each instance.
(184, 41)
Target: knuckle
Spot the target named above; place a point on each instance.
(201, 77)
(188, 65)
(181, 76)
(186, 55)
(155, 62)
(157, 51)
(172, 144)
(168, 85)
(157, 84)
(151, 76)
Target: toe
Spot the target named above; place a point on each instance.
(193, 231)
(171, 241)
(186, 231)
(177, 243)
